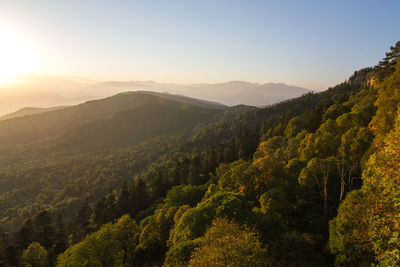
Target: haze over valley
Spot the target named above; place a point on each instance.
(45, 92)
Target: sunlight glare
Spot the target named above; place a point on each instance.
(16, 56)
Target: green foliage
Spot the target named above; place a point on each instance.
(349, 232)
(388, 65)
(366, 228)
(225, 244)
(274, 203)
(179, 255)
(386, 103)
(35, 256)
(294, 126)
(239, 176)
(154, 234)
(294, 249)
(195, 221)
(112, 245)
(184, 195)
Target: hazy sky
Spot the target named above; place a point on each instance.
(314, 44)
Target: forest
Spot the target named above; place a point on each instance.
(152, 181)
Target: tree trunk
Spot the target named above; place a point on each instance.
(326, 197)
(342, 183)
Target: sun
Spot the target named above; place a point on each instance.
(16, 56)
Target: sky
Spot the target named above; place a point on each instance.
(309, 43)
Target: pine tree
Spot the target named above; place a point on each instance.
(140, 196)
(82, 223)
(388, 65)
(25, 235)
(44, 229)
(124, 200)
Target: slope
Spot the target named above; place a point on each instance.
(29, 111)
(102, 116)
(55, 159)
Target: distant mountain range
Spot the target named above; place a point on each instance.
(49, 92)
(229, 93)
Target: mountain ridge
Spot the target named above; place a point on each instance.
(59, 92)
(50, 124)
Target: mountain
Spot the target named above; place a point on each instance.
(237, 92)
(90, 142)
(229, 93)
(186, 100)
(129, 115)
(43, 91)
(29, 111)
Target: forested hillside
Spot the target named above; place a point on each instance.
(54, 160)
(311, 181)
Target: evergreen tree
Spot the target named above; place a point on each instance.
(26, 234)
(388, 65)
(140, 196)
(124, 200)
(81, 224)
(60, 243)
(44, 229)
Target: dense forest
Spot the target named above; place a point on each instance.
(147, 180)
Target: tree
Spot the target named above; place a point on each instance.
(154, 235)
(140, 196)
(348, 232)
(124, 200)
(317, 174)
(35, 256)
(386, 103)
(226, 244)
(101, 213)
(60, 238)
(126, 234)
(195, 221)
(184, 195)
(81, 223)
(387, 66)
(270, 168)
(366, 227)
(44, 229)
(159, 185)
(294, 126)
(25, 235)
(195, 177)
(239, 177)
(112, 245)
(354, 143)
(179, 255)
